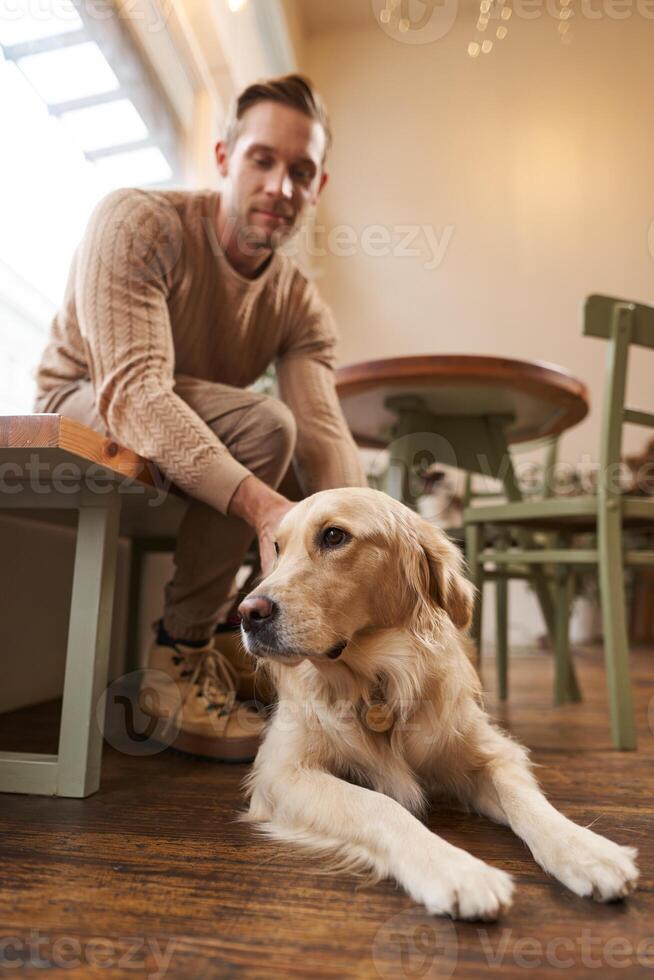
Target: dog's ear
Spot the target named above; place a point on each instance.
(447, 585)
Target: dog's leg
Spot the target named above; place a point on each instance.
(366, 827)
(587, 863)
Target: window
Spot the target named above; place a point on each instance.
(79, 116)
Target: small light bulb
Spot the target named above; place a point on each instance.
(473, 49)
(486, 46)
(502, 32)
(482, 23)
(505, 13)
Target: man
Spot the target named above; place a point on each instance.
(175, 302)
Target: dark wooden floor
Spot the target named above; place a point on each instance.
(155, 866)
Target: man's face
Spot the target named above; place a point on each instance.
(273, 173)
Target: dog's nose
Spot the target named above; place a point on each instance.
(256, 611)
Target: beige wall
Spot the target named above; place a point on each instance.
(537, 158)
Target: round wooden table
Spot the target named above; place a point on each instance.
(538, 399)
(463, 410)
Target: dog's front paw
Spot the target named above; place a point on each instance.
(464, 888)
(591, 865)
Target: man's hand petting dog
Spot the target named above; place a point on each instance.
(382, 713)
(263, 509)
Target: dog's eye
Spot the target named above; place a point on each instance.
(276, 547)
(332, 537)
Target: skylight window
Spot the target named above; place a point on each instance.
(106, 124)
(70, 72)
(136, 168)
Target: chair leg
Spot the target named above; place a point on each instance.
(476, 576)
(502, 636)
(616, 641)
(87, 657)
(541, 585)
(566, 688)
(566, 685)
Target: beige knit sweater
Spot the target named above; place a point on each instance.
(149, 295)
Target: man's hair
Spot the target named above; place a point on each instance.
(295, 91)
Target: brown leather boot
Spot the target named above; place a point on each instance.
(194, 691)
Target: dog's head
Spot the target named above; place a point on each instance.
(350, 562)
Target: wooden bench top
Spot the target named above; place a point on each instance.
(150, 505)
(51, 431)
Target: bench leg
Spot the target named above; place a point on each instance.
(87, 657)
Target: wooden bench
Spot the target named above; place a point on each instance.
(62, 472)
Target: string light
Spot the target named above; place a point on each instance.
(390, 13)
(564, 25)
(502, 11)
(489, 9)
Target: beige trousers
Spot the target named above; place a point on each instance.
(259, 432)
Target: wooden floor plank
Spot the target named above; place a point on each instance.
(156, 864)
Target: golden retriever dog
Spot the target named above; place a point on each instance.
(361, 624)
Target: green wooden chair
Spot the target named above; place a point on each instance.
(501, 575)
(606, 513)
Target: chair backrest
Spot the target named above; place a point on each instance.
(621, 323)
(600, 312)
